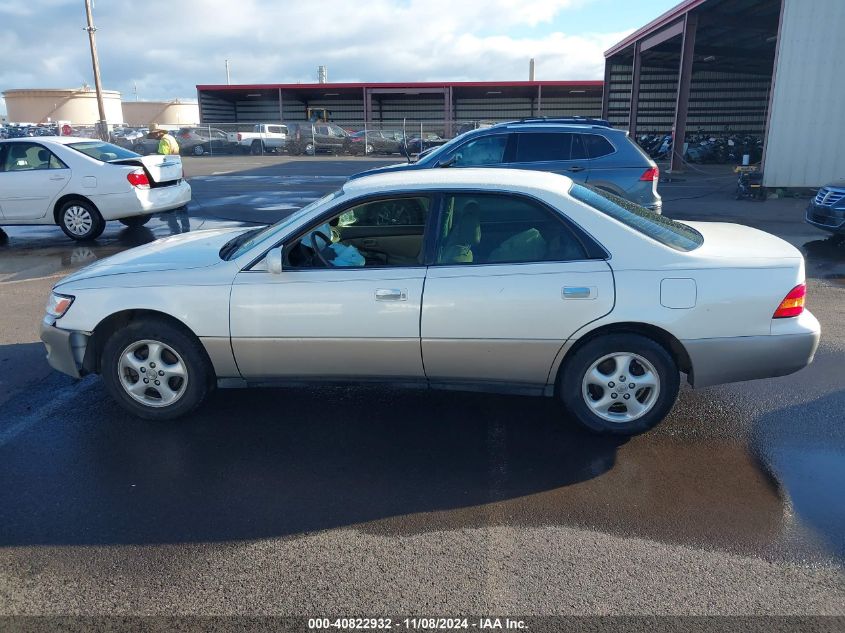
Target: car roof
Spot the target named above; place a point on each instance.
(464, 178)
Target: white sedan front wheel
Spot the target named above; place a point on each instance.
(620, 384)
(156, 370)
(80, 220)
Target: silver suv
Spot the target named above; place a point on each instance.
(587, 150)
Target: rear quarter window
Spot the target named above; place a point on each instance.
(668, 232)
(597, 146)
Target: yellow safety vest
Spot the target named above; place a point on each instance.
(168, 145)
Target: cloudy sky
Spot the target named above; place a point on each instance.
(166, 47)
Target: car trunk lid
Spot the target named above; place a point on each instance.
(723, 240)
(159, 168)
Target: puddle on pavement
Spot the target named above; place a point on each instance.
(711, 494)
(29, 252)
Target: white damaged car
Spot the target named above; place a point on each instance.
(81, 183)
(484, 279)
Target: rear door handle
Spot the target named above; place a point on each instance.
(58, 178)
(391, 294)
(580, 292)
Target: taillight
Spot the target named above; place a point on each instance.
(651, 174)
(240, 138)
(793, 303)
(138, 178)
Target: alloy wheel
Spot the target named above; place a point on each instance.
(152, 373)
(621, 387)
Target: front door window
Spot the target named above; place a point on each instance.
(388, 232)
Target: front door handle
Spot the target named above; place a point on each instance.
(580, 292)
(58, 178)
(391, 294)
(576, 169)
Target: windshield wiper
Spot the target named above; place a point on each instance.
(235, 243)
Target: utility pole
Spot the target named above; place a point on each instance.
(227, 73)
(102, 125)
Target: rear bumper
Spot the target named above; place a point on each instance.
(65, 349)
(721, 360)
(164, 198)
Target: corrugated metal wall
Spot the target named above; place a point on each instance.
(806, 138)
(720, 102)
(390, 110)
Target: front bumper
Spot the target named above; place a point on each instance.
(65, 349)
(826, 218)
(733, 359)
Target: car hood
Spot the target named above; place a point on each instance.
(737, 241)
(197, 249)
(384, 170)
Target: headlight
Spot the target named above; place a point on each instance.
(58, 304)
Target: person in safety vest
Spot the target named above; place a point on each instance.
(166, 143)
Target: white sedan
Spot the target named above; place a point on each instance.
(81, 183)
(483, 279)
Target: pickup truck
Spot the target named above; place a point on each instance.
(264, 138)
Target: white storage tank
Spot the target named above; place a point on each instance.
(164, 113)
(78, 105)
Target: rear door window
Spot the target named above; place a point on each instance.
(545, 146)
(502, 229)
(579, 150)
(30, 157)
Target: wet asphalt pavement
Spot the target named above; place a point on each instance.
(376, 502)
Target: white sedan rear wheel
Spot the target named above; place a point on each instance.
(80, 220)
(619, 383)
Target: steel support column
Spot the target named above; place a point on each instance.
(539, 99)
(635, 91)
(679, 129)
(605, 94)
(447, 111)
(281, 108)
(368, 106)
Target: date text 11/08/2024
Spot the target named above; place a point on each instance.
(415, 624)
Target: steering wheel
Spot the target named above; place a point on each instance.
(316, 249)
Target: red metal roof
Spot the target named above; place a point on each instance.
(671, 15)
(413, 84)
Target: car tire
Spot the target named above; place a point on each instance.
(198, 150)
(369, 149)
(310, 150)
(156, 350)
(597, 392)
(80, 220)
(257, 148)
(135, 220)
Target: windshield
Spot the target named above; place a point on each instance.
(105, 152)
(242, 243)
(661, 229)
(434, 155)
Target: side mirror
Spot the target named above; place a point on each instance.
(274, 261)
